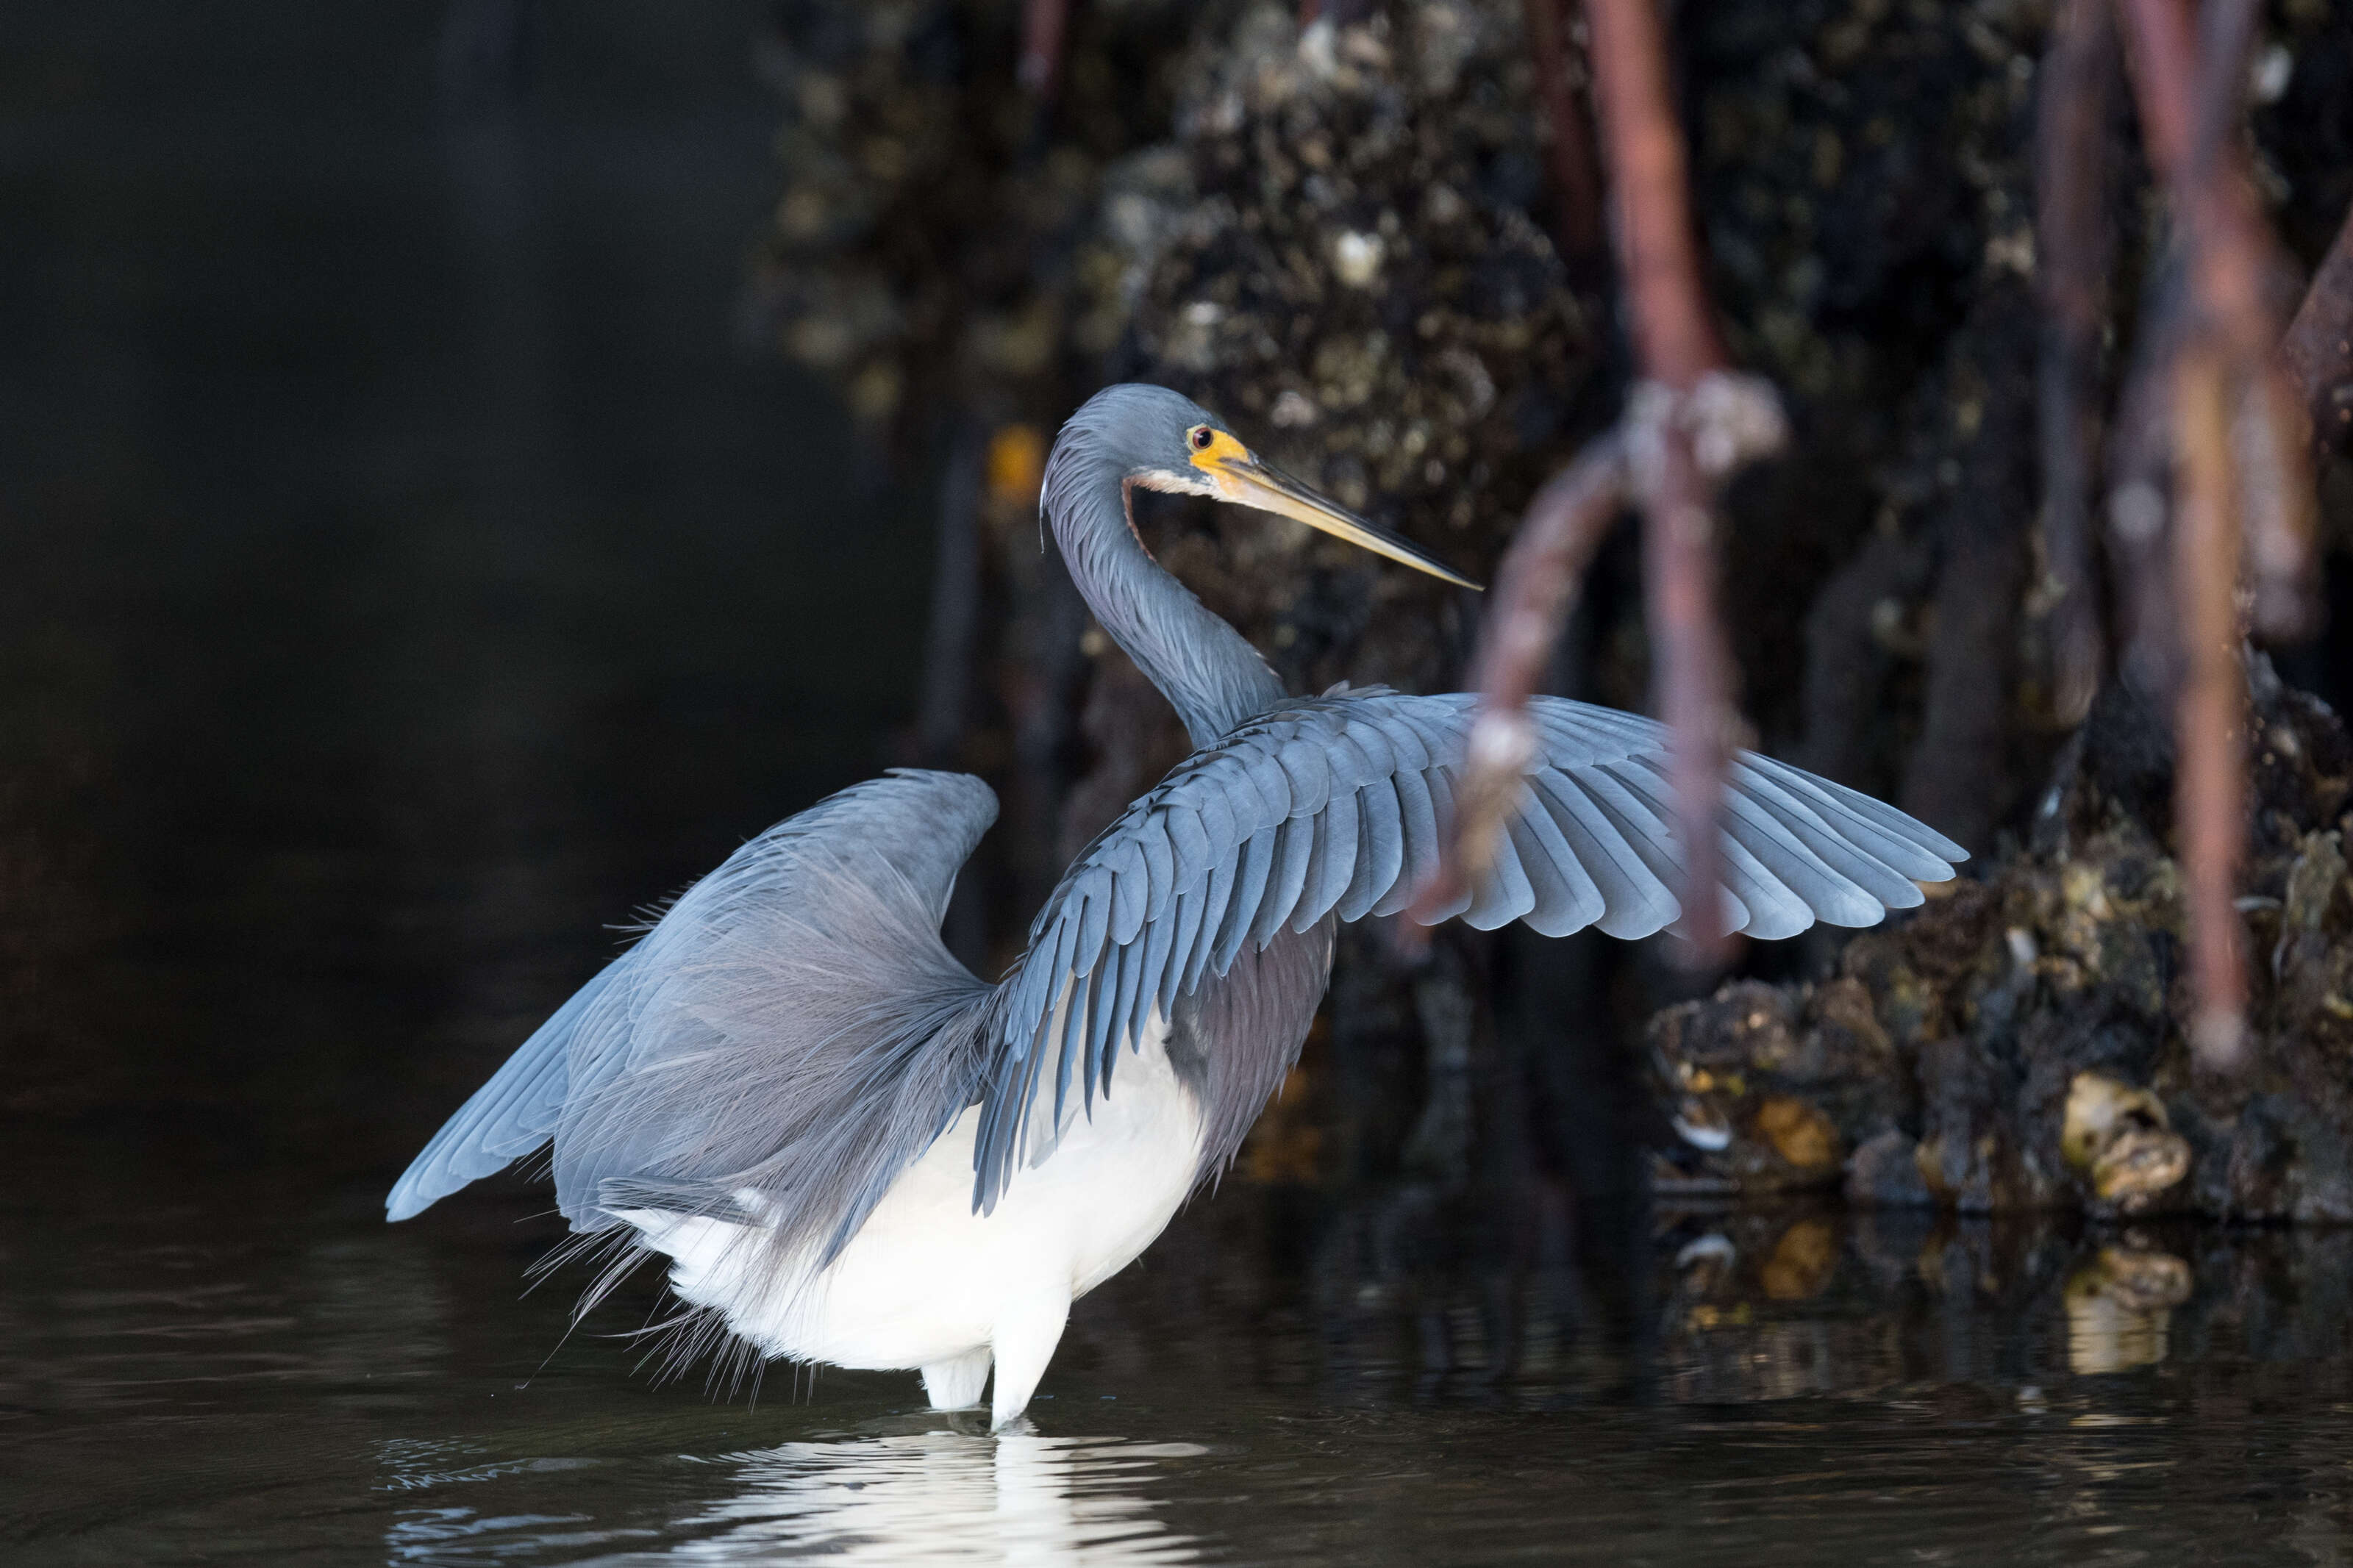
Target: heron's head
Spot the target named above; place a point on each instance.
(1164, 440)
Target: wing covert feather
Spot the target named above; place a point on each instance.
(1294, 847)
(1334, 864)
(1249, 887)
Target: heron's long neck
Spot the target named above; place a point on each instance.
(1209, 672)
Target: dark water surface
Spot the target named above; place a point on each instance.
(400, 575)
(238, 1374)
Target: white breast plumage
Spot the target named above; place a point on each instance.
(927, 1282)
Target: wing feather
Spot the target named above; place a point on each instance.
(1216, 801)
(1419, 819)
(1577, 902)
(1094, 919)
(1263, 766)
(1308, 772)
(1383, 851)
(1641, 826)
(1186, 936)
(1508, 894)
(1336, 806)
(1159, 866)
(1918, 854)
(1875, 877)
(1405, 744)
(1334, 865)
(1159, 941)
(1768, 908)
(1637, 901)
(1295, 847)
(1190, 841)
(1807, 886)
(1130, 896)
(791, 1024)
(1372, 743)
(1103, 1012)
(1124, 1020)
(1214, 904)
(1076, 1028)
(1250, 886)
(1081, 1061)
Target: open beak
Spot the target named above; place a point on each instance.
(1241, 476)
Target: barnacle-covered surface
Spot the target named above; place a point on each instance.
(1328, 236)
(1335, 234)
(1354, 279)
(919, 252)
(2019, 1043)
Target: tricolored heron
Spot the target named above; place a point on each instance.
(853, 1151)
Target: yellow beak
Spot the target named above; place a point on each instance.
(1241, 477)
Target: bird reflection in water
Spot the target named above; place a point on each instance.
(941, 1496)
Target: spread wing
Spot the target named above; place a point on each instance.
(813, 956)
(1335, 806)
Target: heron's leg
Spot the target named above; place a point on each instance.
(955, 1383)
(1026, 1332)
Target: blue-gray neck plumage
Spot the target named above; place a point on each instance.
(1210, 673)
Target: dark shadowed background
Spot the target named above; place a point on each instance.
(409, 565)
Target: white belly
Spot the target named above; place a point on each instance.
(927, 1279)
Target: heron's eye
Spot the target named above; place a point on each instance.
(1200, 436)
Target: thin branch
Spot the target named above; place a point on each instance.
(2279, 507)
(1689, 424)
(1693, 675)
(1575, 181)
(2238, 463)
(2073, 242)
(2318, 349)
(1676, 344)
(1043, 23)
(2163, 41)
(2209, 771)
(1544, 573)
(2191, 93)
(2272, 433)
(2140, 474)
(1675, 340)
(1537, 589)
